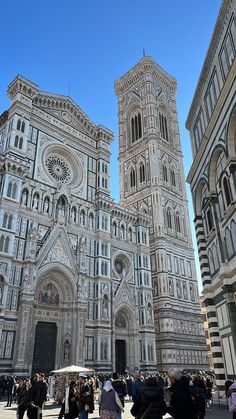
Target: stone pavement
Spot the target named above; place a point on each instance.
(51, 411)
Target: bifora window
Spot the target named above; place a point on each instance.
(58, 169)
(136, 127)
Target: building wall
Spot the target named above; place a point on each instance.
(211, 122)
(152, 180)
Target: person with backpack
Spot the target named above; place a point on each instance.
(149, 402)
(231, 395)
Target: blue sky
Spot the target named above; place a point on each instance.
(86, 45)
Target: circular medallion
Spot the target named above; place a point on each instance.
(58, 168)
(66, 117)
(122, 265)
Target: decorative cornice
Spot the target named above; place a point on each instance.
(14, 165)
(145, 65)
(58, 102)
(23, 85)
(66, 104)
(3, 118)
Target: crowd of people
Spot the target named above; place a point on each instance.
(29, 395)
(183, 396)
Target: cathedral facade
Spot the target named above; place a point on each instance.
(85, 280)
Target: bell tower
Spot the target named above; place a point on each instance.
(152, 180)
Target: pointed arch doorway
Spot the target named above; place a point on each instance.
(124, 341)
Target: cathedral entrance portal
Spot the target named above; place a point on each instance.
(120, 355)
(44, 348)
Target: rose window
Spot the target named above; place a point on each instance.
(58, 169)
(119, 265)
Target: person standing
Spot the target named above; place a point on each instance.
(137, 384)
(9, 390)
(231, 396)
(23, 397)
(181, 404)
(39, 393)
(149, 402)
(120, 387)
(109, 402)
(85, 397)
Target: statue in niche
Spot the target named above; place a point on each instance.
(185, 291)
(73, 215)
(171, 289)
(105, 307)
(191, 292)
(179, 293)
(149, 313)
(66, 355)
(61, 211)
(46, 205)
(35, 202)
(24, 197)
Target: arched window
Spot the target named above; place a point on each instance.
(12, 189)
(226, 189)
(215, 257)
(141, 173)
(21, 143)
(132, 178)
(18, 125)
(16, 142)
(4, 244)
(114, 229)
(122, 231)
(229, 243)
(163, 126)
(209, 219)
(130, 234)
(177, 223)
(23, 127)
(172, 176)
(7, 221)
(233, 233)
(136, 127)
(169, 220)
(164, 173)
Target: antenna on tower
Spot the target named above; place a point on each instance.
(144, 54)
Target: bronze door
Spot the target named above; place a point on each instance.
(120, 346)
(44, 348)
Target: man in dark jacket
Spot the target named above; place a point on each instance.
(39, 393)
(149, 402)
(181, 404)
